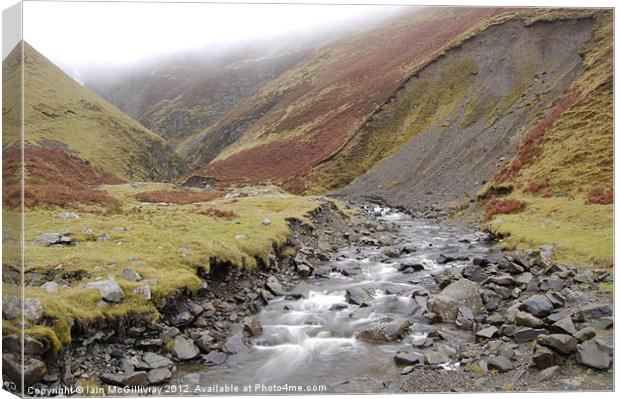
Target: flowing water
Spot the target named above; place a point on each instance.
(311, 340)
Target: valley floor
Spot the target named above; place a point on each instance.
(151, 293)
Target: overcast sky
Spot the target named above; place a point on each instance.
(76, 34)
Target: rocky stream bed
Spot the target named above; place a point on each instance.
(387, 303)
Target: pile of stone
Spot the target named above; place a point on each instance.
(515, 302)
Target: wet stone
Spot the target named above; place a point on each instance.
(436, 357)
(537, 305)
(548, 373)
(500, 363)
(184, 348)
(560, 343)
(487, 332)
(215, 358)
(544, 357)
(357, 296)
(159, 376)
(592, 312)
(527, 334)
(136, 378)
(408, 358)
(527, 320)
(594, 354)
(474, 273)
(563, 326)
(585, 334)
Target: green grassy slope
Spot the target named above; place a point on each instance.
(60, 113)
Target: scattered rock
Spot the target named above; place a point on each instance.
(385, 332)
(413, 266)
(51, 286)
(537, 305)
(69, 215)
(504, 280)
(544, 357)
(548, 373)
(33, 369)
(33, 310)
(159, 376)
(585, 334)
(103, 237)
(527, 334)
(274, 286)
(487, 332)
(109, 290)
(130, 274)
(136, 378)
(527, 320)
(215, 358)
(443, 259)
(181, 319)
(408, 358)
(184, 348)
(304, 270)
(357, 296)
(155, 361)
(563, 326)
(560, 343)
(464, 318)
(500, 363)
(151, 343)
(49, 239)
(203, 340)
(474, 273)
(584, 278)
(460, 293)
(235, 344)
(253, 326)
(144, 292)
(11, 307)
(266, 222)
(595, 354)
(436, 357)
(592, 312)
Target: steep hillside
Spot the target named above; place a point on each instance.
(448, 130)
(562, 173)
(188, 94)
(308, 113)
(59, 114)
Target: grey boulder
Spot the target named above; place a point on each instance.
(594, 354)
(462, 292)
(109, 290)
(184, 348)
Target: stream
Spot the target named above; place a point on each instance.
(309, 336)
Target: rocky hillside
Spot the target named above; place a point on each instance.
(452, 126)
(308, 113)
(61, 115)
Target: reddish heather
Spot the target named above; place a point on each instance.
(503, 206)
(367, 70)
(219, 214)
(536, 186)
(530, 148)
(599, 195)
(180, 197)
(53, 177)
